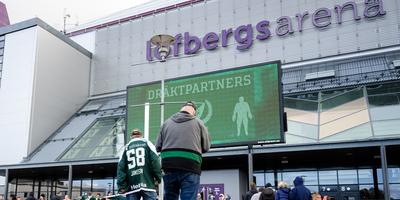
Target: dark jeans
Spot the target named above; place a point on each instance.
(147, 195)
(187, 182)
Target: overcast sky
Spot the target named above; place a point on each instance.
(52, 11)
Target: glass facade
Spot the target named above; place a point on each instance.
(357, 113)
(22, 187)
(104, 139)
(331, 182)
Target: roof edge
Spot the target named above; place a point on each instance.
(38, 22)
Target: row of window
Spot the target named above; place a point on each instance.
(48, 188)
(378, 95)
(332, 177)
(368, 182)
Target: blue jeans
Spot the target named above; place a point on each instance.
(147, 195)
(187, 182)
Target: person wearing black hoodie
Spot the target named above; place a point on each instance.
(252, 191)
(282, 192)
(299, 192)
(267, 193)
(30, 197)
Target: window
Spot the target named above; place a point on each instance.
(309, 177)
(347, 176)
(103, 140)
(327, 177)
(365, 176)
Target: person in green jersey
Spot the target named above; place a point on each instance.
(139, 169)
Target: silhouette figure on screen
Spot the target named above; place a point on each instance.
(242, 110)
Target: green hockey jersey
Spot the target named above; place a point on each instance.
(139, 167)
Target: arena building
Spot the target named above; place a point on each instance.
(63, 98)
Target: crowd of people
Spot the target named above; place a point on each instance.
(283, 192)
(57, 196)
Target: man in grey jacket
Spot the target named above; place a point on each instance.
(182, 140)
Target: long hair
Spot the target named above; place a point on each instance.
(283, 184)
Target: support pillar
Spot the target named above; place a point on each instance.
(250, 162)
(6, 186)
(70, 181)
(385, 178)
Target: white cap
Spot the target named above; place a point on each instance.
(198, 194)
(221, 194)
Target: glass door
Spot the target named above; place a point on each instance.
(349, 196)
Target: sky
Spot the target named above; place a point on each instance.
(52, 11)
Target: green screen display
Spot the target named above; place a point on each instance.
(238, 107)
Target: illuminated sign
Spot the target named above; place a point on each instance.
(238, 107)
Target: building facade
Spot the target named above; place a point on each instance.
(341, 86)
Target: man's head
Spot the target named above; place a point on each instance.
(90, 193)
(268, 185)
(189, 107)
(1, 196)
(252, 185)
(98, 195)
(58, 193)
(260, 189)
(136, 133)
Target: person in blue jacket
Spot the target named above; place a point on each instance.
(299, 192)
(283, 191)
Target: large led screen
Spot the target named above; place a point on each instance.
(239, 107)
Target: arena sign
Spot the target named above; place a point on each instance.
(210, 40)
(239, 106)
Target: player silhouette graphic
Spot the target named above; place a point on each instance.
(242, 114)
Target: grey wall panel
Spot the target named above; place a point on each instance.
(259, 56)
(124, 39)
(125, 29)
(227, 61)
(101, 73)
(125, 59)
(240, 3)
(124, 49)
(226, 15)
(101, 35)
(136, 26)
(225, 6)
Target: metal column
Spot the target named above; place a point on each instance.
(70, 181)
(385, 173)
(6, 186)
(250, 147)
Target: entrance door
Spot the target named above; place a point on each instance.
(349, 196)
(331, 195)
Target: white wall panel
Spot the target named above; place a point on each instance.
(87, 40)
(16, 94)
(61, 83)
